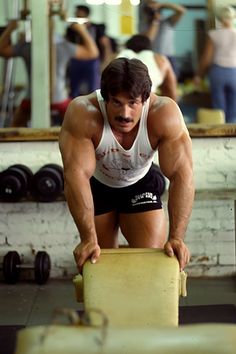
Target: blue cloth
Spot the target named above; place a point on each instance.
(223, 90)
(83, 75)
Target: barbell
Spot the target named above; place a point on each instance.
(12, 267)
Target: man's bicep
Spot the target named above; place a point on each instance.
(78, 156)
(175, 155)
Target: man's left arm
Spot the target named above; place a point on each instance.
(175, 157)
(179, 11)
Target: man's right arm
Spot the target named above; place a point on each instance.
(78, 155)
(169, 85)
(87, 50)
(179, 11)
(153, 22)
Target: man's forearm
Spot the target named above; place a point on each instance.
(180, 202)
(88, 41)
(152, 29)
(80, 203)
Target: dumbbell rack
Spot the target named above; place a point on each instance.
(17, 184)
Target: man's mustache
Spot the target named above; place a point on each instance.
(123, 120)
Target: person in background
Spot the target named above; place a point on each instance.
(107, 141)
(160, 29)
(160, 70)
(218, 60)
(64, 51)
(84, 75)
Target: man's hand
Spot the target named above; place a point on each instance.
(177, 247)
(84, 251)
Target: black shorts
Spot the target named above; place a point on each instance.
(141, 196)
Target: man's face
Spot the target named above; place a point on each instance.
(124, 112)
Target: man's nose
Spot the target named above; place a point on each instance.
(125, 111)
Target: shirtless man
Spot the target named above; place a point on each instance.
(107, 141)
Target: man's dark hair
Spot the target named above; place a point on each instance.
(83, 8)
(139, 42)
(126, 75)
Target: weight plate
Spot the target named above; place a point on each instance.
(47, 185)
(55, 167)
(42, 266)
(13, 184)
(29, 174)
(11, 272)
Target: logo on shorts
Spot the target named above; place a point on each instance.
(144, 198)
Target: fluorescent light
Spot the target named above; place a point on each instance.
(111, 2)
(95, 2)
(135, 2)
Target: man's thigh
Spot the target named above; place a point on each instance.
(145, 229)
(107, 229)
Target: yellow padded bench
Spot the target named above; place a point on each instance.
(188, 339)
(210, 116)
(133, 287)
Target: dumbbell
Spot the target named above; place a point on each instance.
(47, 183)
(12, 267)
(15, 182)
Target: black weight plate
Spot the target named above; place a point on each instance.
(47, 185)
(13, 184)
(55, 167)
(11, 272)
(42, 266)
(29, 174)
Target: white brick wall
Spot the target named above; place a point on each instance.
(28, 226)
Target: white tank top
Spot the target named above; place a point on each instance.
(224, 40)
(116, 166)
(147, 57)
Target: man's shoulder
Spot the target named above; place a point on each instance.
(158, 102)
(86, 105)
(165, 117)
(82, 114)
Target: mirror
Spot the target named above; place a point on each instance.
(189, 41)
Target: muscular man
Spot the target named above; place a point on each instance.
(107, 141)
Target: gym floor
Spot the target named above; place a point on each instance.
(29, 304)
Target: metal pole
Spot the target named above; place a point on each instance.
(7, 99)
(40, 78)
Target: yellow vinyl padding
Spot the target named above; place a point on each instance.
(132, 287)
(188, 339)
